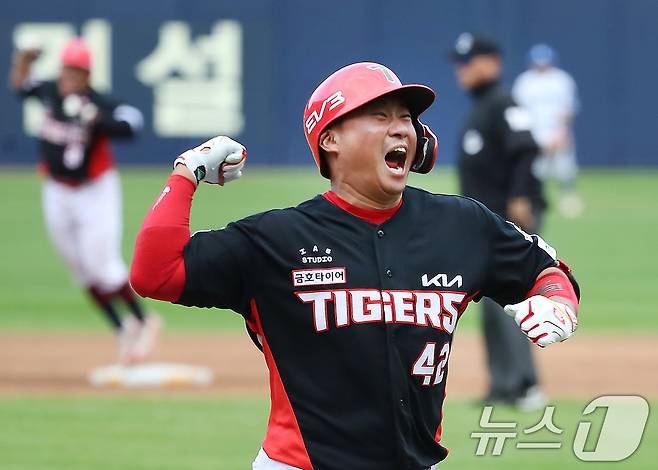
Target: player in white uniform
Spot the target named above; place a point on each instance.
(550, 95)
(82, 192)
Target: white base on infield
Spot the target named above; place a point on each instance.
(150, 375)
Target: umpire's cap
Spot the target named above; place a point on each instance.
(469, 45)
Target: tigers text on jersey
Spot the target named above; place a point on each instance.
(356, 319)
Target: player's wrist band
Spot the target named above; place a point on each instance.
(555, 284)
(198, 170)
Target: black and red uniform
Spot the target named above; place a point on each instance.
(72, 149)
(354, 310)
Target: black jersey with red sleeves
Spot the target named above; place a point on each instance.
(356, 320)
(75, 133)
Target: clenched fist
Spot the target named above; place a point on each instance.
(543, 320)
(217, 161)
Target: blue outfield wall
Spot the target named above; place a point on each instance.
(196, 68)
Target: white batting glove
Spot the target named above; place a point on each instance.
(217, 161)
(543, 320)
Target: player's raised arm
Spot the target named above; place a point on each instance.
(158, 269)
(21, 66)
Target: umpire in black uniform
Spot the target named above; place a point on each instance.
(495, 158)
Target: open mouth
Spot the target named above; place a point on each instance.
(396, 158)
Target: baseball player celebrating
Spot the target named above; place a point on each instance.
(81, 190)
(353, 296)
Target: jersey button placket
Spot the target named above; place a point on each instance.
(386, 273)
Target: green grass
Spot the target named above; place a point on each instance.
(197, 434)
(610, 247)
(153, 434)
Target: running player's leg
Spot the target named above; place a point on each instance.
(64, 231)
(100, 211)
(112, 199)
(103, 251)
(60, 225)
(149, 325)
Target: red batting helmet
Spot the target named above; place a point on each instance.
(358, 84)
(77, 54)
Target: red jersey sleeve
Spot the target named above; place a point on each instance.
(158, 267)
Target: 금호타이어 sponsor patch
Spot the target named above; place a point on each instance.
(318, 276)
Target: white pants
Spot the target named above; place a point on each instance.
(263, 462)
(562, 166)
(84, 224)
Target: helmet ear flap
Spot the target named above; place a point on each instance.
(427, 147)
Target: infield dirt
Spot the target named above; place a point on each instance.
(58, 363)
